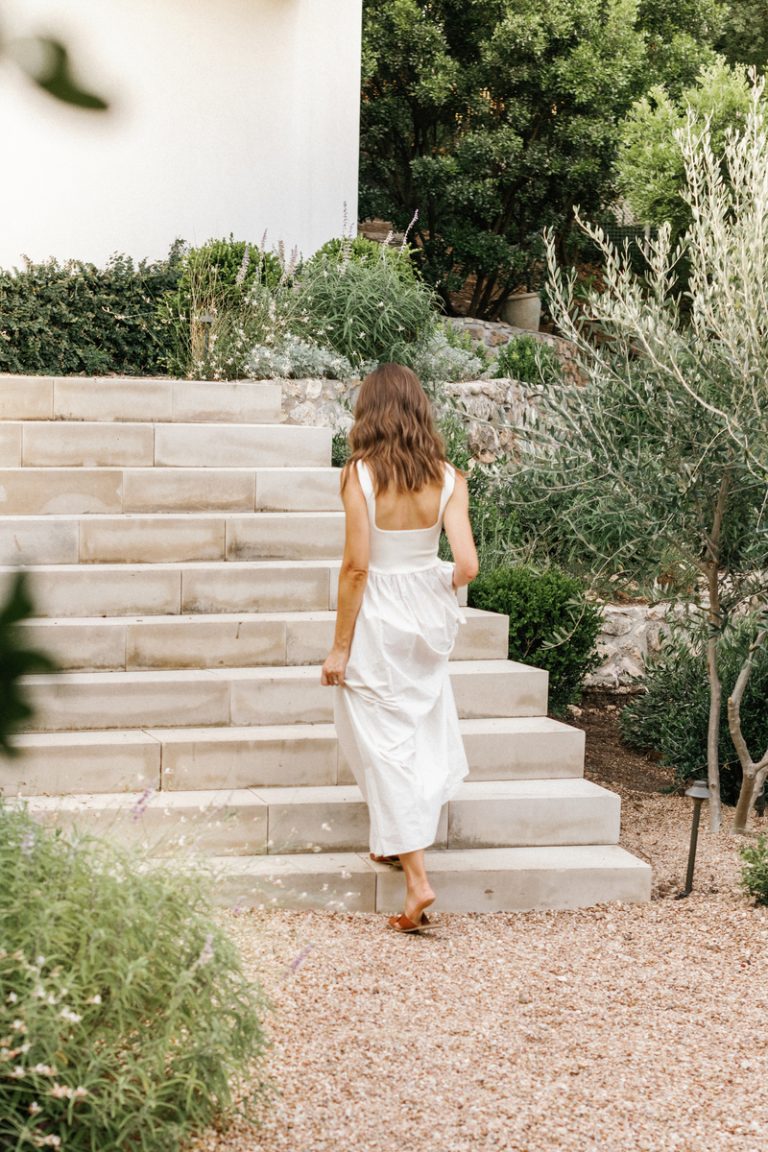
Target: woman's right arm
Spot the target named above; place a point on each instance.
(459, 532)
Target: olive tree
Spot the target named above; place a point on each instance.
(660, 454)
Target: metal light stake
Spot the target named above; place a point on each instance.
(206, 320)
(699, 792)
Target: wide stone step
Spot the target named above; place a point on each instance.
(65, 590)
(59, 444)
(245, 696)
(224, 640)
(185, 759)
(126, 398)
(167, 538)
(82, 491)
(257, 821)
(469, 880)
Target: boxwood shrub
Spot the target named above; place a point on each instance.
(551, 624)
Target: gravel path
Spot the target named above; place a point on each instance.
(621, 1028)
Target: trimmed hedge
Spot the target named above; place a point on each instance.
(77, 319)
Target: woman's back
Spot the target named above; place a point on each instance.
(405, 526)
(408, 511)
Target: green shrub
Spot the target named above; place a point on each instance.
(754, 870)
(444, 359)
(75, 318)
(361, 250)
(495, 523)
(340, 449)
(551, 624)
(125, 1014)
(528, 360)
(225, 303)
(366, 311)
(671, 717)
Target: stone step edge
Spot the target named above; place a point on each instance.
(212, 799)
(170, 470)
(277, 672)
(312, 616)
(71, 398)
(174, 565)
(161, 518)
(266, 733)
(124, 426)
(117, 643)
(351, 882)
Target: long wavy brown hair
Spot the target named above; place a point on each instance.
(394, 432)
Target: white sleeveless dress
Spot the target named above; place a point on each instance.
(395, 715)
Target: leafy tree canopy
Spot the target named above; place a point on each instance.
(650, 161)
(744, 35)
(493, 118)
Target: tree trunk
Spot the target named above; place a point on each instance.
(752, 774)
(715, 623)
(713, 729)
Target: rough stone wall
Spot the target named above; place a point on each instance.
(630, 632)
(328, 403)
(492, 408)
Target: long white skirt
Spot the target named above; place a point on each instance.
(396, 716)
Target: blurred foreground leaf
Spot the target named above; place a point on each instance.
(16, 660)
(47, 63)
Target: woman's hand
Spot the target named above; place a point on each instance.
(334, 668)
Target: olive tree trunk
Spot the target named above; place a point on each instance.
(753, 773)
(714, 630)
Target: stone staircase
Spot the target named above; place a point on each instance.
(184, 546)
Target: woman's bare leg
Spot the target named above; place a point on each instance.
(418, 892)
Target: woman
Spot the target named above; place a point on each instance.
(396, 624)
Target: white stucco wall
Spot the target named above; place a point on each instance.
(227, 116)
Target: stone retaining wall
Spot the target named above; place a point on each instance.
(629, 633)
(493, 408)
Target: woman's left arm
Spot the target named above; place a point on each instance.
(352, 578)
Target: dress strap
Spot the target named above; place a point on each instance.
(366, 483)
(449, 483)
